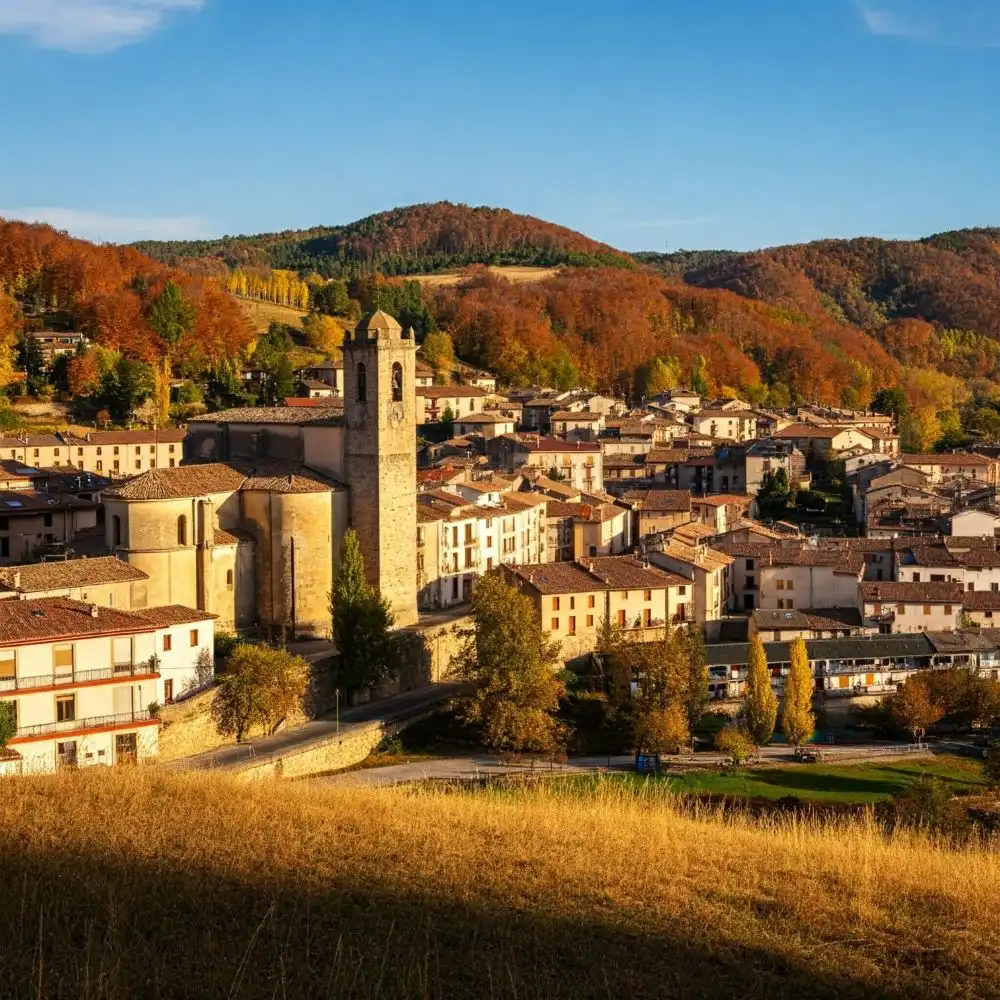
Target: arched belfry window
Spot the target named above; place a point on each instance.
(182, 530)
(397, 382)
(362, 383)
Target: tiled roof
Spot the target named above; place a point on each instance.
(947, 458)
(173, 614)
(703, 558)
(488, 417)
(724, 499)
(547, 485)
(329, 415)
(599, 513)
(557, 446)
(292, 482)
(981, 600)
(449, 391)
(557, 508)
(809, 431)
(48, 618)
(168, 435)
(623, 461)
(225, 538)
(585, 416)
(693, 532)
(600, 573)
(674, 501)
(900, 645)
(666, 456)
(828, 619)
(911, 593)
(31, 501)
(35, 577)
(769, 618)
(182, 481)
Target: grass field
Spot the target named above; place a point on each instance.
(860, 784)
(516, 275)
(262, 314)
(136, 884)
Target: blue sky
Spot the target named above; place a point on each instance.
(644, 123)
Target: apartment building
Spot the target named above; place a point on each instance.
(31, 522)
(458, 540)
(892, 606)
(708, 572)
(806, 577)
(574, 599)
(577, 426)
(109, 453)
(579, 463)
(105, 581)
(729, 424)
(658, 510)
(488, 424)
(602, 529)
(433, 401)
(83, 678)
(940, 468)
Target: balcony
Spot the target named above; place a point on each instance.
(78, 677)
(95, 722)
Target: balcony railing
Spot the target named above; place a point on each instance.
(77, 677)
(94, 722)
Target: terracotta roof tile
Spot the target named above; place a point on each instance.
(47, 618)
(173, 614)
(180, 482)
(912, 593)
(35, 577)
(601, 573)
(322, 415)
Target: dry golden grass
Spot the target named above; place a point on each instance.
(262, 314)
(147, 884)
(513, 273)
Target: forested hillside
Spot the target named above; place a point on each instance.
(412, 240)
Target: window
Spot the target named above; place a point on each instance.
(229, 579)
(100, 466)
(781, 584)
(995, 587)
(98, 451)
(682, 591)
(555, 603)
(79, 451)
(621, 618)
(121, 653)
(927, 609)
(46, 520)
(590, 621)
(572, 624)
(138, 464)
(901, 610)
(116, 449)
(171, 449)
(172, 463)
(66, 753)
(182, 530)
(362, 374)
(66, 708)
(397, 382)
(4, 546)
(947, 609)
(454, 588)
(138, 450)
(647, 617)
(8, 664)
(168, 690)
(116, 464)
(750, 564)
(555, 624)
(55, 452)
(572, 603)
(62, 658)
(36, 453)
(647, 595)
(194, 637)
(916, 577)
(590, 601)
(168, 643)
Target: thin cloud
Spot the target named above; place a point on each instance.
(89, 25)
(960, 23)
(673, 223)
(111, 228)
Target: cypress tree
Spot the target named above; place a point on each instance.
(797, 718)
(762, 705)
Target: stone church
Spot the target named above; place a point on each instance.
(250, 527)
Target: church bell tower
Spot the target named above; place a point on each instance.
(380, 456)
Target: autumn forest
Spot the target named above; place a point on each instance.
(908, 327)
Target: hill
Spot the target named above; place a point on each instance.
(147, 884)
(412, 240)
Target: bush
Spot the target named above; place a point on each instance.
(928, 804)
(735, 741)
(8, 723)
(225, 643)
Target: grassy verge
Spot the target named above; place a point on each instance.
(855, 784)
(149, 884)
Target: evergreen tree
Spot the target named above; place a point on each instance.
(510, 663)
(696, 699)
(797, 718)
(362, 623)
(761, 703)
(8, 722)
(171, 315)
(33, 363)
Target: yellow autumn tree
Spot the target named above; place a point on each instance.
(797, 718)
(10, 324)
(761, 703)
(323, 333)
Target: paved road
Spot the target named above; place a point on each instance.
(467, 768)
(386, 710)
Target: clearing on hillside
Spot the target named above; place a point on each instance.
(514, 274)
(143, 883)
(263, 314)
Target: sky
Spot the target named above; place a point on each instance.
(648, 124)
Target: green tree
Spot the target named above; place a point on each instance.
(447, 419)
(261, 687)
(362, 623)
(662, 674)
(696, 698)
(273, 356)
(126, 386)
(892, 401)
(171, 315)
(510, 663)
(33, 363)
(8, 722)
(699, 376)
(761, 703)
(331, 298)
(735, 742)
(797, 719)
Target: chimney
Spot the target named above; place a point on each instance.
(17, 580)
(94, 611)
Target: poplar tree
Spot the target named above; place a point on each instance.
(762, 705)
(797, 718)
(362, 622)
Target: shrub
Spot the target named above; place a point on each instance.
(736, 742)
(928, 804)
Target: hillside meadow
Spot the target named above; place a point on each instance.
(147, 884)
